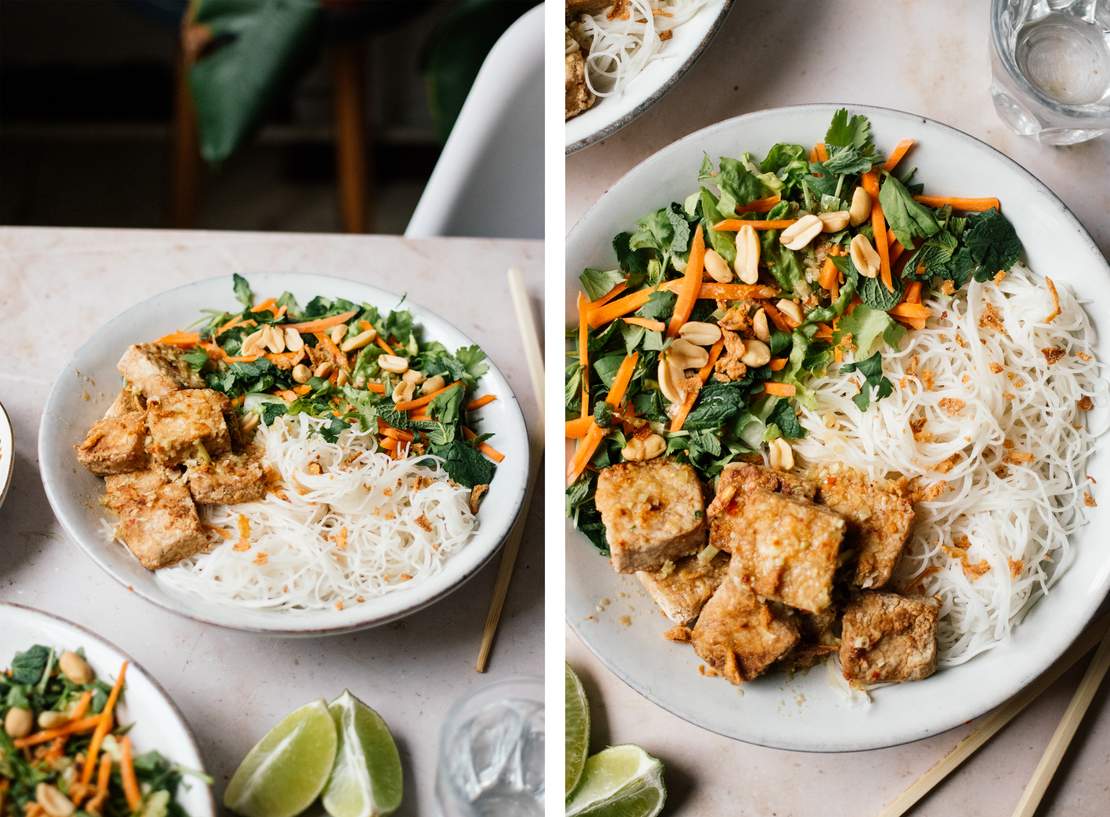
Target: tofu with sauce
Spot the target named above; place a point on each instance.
(126, 401)
(157, 518)
(785, 549)
(227, 480)
(157, 369)
(739, 635)
(887, 638)
(115, 445)
(182, 420)
(736, 482)
(879, 521)
(653, 511)
(576, 93)
(682, 588)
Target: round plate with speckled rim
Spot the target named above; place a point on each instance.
(74, 492)
(807, 712)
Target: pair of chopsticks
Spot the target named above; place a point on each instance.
(1098, 634)
(530, 339)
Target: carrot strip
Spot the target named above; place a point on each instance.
(238, 320)
(691, 283)
(389, 443)
(183, 339)
(485, 448)
(610, 295)
(726, 292)
(595, 435)
(911, 310)
(896, 250)
(83, 704)
(777, 364)
(913, 323)
(829, 278)
(286, 360)
(385, 347)
(46, 735)
(320, 324)
(127, 775)
(576, 429)
(419, 416)
(692, 395)
(913, 293)
(103, 727)
(759, 205)
(103, 778)
(732, 225)
(584, 351)
(408, 405)
(377, 388)
(824, 332)
(896, 155)
(478, 402)
(967, 205)
(781, 322)
(821, 152)
(878, 227)
(780, 389)
(647, 323)
(619, 308)
(268, 305)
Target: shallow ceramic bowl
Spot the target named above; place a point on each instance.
(158, 725)
(807, 712)
(74, 493)
(7, 454)
(610, 114)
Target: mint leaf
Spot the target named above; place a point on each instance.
(907, 219)
(597, 282)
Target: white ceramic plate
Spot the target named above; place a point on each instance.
(7, 455)
(612, 113)
(807, 713)
(158, 725)
(74, 493)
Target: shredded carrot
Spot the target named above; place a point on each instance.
(781, 322)
(485, 448)
(286, 360)
(595, 435)
(821, 152)
(824, 332)
(408, 405)
(389, 443)
(967, 205)
(691, 283)
(610, 295)
(913, 293)
(896, 250)
(83, 704)
(759, 205)
(779, 389)
(576, 429)
(584, 352)
(911, 310)
(878, 228)
(618, 308)
(777, 364)
(127, 775)
(320, 324)
(732, 225)
(726, 292)
(692, 395)
(183, 339)
(325, 340)
(647, 323)
(829, 278)
(103, 778)
(46, 735)
(899, 153)
(912, 323)
(286, 394)
(377, 388)
(419, 416)
(268, 305)
(1055, 313)
(385, 347)
(238, 320)
(478, 402)
(103, 727)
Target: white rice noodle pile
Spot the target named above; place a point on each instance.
(618, 49)
(1004, 442)
(366, 526)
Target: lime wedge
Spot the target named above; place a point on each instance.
(576, 743)
(287, 769)
(366, 780)
(622, 781)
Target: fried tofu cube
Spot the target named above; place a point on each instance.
(887, 638)
(879, 521)
(182, 420)
(157, 518)
(653, 512)
(817, 639)
(682, 588)
(115, 445)
(127, 401)
(227, 480)
(156, 369)
(576, 93)
(786, 548)
(738, 634)
(736, 482)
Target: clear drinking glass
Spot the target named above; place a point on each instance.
(491, 752)
(1050, 63)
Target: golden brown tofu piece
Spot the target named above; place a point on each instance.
(157, 518)
(739, 635)
(227, 480)
(653, 512)
(683, 589)
(817, 638)
(115, 445)
(156, 369)
(182, 420)
(879, 521)
(887, 638)
(126, 401)
(578, 97)
(735, 483)
(785, 548)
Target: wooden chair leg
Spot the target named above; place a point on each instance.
(352, 160)
(186, 170)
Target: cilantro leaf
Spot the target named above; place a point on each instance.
(659, 307)
(596, 282)
(242, 290)
(849, 131)
(872, 370)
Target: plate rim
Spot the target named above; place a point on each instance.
(1091, 605)
(52, 490)
(88, 633)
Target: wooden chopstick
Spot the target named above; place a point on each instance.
(993, 722)
(530, 338)
(1065, 731)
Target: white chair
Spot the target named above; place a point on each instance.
(488, 181)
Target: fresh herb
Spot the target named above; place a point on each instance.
(596, 282)
(784, 417)
(992, 243)
(464, 463)
(907, 219)
(242, 290)
(28, 666)
(872, 370)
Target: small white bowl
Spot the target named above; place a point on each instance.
(158, 724)
(74, 493)
(7, 454)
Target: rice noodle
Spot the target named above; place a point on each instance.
(402, 522)
(618, 49)
(1011, 454)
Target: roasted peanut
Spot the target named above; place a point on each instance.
(717, 267)
(792, 310)
(403, 391)
(671, 380)
(274, 340)
(864, 256)
(293, 340)
(686, 355)
(393, 363)
(48, 719)
(324, 369)
(358, 341)
(640, 449)
(780, 455)
(75, 668)
(433, 383)
(747, 255)
(835, 221)
(760, 327)
(337, 333)
(19, 722)
(860, 210)
(53, 802)
(756, 354)
(700, 333)
(414, 376)
(798, 235)
(301, 373)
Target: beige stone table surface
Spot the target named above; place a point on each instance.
(57, 286)
(930, 58)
